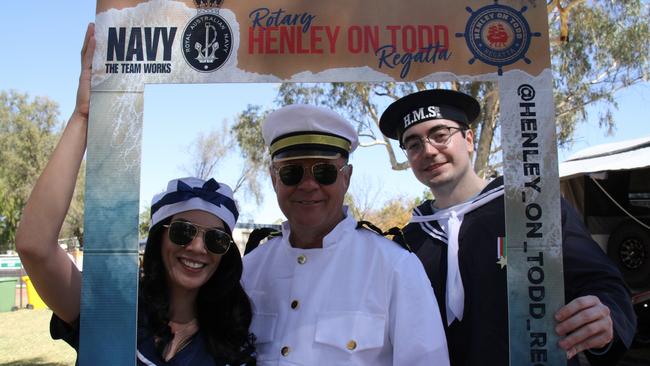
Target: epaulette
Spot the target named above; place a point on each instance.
(394, 231)
(257, 235)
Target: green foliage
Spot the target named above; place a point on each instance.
(426, 195)
(145, 223)
(248, 133)
(28, 132)
(606, 49)
(74, 220)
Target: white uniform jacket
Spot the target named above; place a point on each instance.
(360, 300)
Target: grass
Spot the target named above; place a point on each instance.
(25, 340)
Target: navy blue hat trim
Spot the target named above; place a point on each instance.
(208, 192)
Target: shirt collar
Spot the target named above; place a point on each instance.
(333, 237)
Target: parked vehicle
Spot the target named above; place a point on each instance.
(609, 185)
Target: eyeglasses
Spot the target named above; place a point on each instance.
(324, 173)
(183, 232)
(437, 137)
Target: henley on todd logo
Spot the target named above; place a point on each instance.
(498, 35)
(207, 42)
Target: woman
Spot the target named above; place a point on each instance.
(192, 308)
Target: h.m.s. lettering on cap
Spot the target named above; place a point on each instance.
(421, 114)
(427, 105)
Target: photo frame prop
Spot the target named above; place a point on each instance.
(157, 41)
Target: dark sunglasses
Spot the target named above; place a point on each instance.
(324, 173)
(182, 233)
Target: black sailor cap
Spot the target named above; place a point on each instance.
(427, 105)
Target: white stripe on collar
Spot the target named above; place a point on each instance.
(450, 220)
(429, 228)
(143, 359)
(465, 207)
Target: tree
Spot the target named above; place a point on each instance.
(145, 223)
(209, 150)
(396, 212)
(362, 201)
(74, 220)
(597, 48)
(362, 197)
(248, 134)
(29, 130)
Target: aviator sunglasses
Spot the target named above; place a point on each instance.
(182, 233)
(324, 173)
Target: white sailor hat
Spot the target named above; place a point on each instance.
(426, 105)
(305, 131)
(185, 194)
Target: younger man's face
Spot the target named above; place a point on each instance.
(439, 165)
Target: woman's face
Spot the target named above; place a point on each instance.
(189, 267)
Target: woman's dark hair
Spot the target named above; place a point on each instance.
(223, 309)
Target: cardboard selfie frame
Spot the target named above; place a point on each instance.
(214, 41)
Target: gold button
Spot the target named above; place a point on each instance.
(302, 259)
(352, 345)
(294, 304)
(285, 351)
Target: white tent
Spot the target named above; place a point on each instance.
(610, 185)
(624, 155)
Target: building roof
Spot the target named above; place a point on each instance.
(623, 155)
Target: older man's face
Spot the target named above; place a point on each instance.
(310, 205)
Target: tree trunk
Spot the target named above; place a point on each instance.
(488, 125)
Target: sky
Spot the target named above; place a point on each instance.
(40, 46)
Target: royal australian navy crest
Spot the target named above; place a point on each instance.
(207, 39)
(498, 35)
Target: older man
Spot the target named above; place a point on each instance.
(432, 127)
(328, 292)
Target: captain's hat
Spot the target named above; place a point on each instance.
(301, 131)
(427, 105)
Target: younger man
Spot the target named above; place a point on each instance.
(457, 248)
